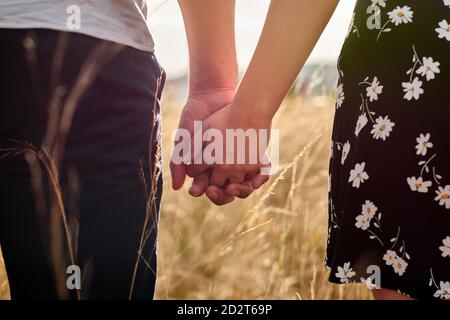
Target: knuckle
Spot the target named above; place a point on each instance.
(244, 196)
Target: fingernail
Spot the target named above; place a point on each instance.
(192, 191)
(213, 195)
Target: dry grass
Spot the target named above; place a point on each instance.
(4, 288)
(269, 246)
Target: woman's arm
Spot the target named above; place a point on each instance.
(291, 30)
(213, 72)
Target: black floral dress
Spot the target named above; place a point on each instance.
(389, 199)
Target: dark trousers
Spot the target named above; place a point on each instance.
(106, 173)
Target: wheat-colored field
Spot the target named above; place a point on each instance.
(269, 246)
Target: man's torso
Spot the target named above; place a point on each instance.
(121, 21)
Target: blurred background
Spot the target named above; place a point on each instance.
(271, 245)
(167, 28)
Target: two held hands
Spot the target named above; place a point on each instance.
(279, 56)
(232, 170)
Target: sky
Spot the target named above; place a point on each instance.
(167, 28)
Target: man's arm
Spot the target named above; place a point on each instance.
(213, 72)
(210, 32)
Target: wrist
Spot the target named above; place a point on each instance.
(251, 115)
(258, 109)
(205, 81)
(211, 94)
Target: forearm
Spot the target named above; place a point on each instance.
(212, 53)
(283, 48)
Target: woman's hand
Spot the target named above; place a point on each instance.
(235, 159)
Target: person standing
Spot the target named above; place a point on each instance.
(91, 66)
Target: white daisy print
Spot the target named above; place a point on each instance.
(401, 15)
(361, 123)
(443, 30)
(444, 291)
(446, 247)
(362, 222)
(382, 128)
(374, 90)
(443, 196)
(340, 97)
(369, 209)
(390, 257)
(423, 144)
(412, 89)
(417, 184)
(345, 151)
(358, 175)
(429, 68)
(377, 97)
(399, 265)
(381, 3)
(345, 273)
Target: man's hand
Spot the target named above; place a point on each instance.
(197, 108)
(213, 72)
(213, 75)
